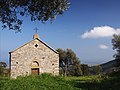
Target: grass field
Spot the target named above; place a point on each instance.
(48, 82)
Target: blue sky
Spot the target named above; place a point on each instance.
(86, 27)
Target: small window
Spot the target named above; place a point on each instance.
(36, 45)
(52, 64)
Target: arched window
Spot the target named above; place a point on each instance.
(35, 64)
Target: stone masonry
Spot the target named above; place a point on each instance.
(23, 58)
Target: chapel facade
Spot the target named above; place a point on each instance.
(35, 57)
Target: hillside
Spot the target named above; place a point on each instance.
(109, 66)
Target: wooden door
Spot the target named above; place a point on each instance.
(35, 71)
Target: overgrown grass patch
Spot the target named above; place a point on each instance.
(41, 82)
(49, 82)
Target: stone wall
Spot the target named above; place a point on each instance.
(23, 57)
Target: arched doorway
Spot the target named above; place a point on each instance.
(35, 68)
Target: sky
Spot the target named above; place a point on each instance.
(86, 28)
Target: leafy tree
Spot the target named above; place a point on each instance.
(1, 70)
(69, 62)
(96, 70)
(62, 56)
(3, 65)
(85, 69)
(37, 10)
(116, 46)
(75, 69)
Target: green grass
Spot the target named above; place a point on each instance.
(41, 82)
(95, 83)
(48, 82)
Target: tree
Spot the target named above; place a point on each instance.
(116, 46)
(3, 65)
(85, 69)
(69, 63)
(96, 70)
(62, 56)
(37, 10)
(75, 69)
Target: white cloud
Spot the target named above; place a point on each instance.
(103, 31)
(103, 46)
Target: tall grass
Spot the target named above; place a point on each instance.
(49, 82)
(41, 82)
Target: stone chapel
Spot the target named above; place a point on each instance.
(34, 57)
